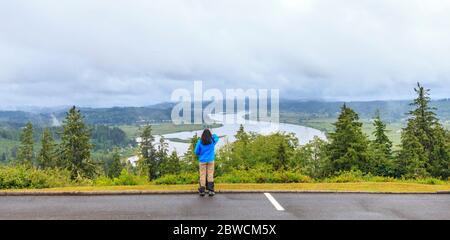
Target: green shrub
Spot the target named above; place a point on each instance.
(291, 177)
(429, 180)
(358, 176)
(126, 178)
(266, 176)
(379, 179)
(236, 176)
(182, 178)
(347, 176)
(103, 181)
(16, 177)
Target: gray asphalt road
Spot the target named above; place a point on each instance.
(228, 206)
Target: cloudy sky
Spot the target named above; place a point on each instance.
(130, 52)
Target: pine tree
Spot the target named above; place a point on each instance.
(161, 155)
(190, 159)
(439, 160)
(14, 151)
(25, 154)
(75, 147)
(447, 142)
(47, 157)
(116, 165)
(241, 135)
(240, 151)
(147, 162)
(282, 157)
(412, 160)
(380, 150)
(381, 138)
(348, 145)
(171, 165)
(424, 129)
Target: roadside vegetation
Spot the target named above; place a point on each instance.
(349, 156)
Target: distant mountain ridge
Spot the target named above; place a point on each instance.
(390, 110)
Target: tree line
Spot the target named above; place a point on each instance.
(424, 150)
(72, 153)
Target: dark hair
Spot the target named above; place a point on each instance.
(206, 137)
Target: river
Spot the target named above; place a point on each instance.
(304, 134)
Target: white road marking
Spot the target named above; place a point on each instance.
(274, 202)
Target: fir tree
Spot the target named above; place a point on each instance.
(161, 155)
(190, 158)
(25, 153)
(241, 135)
(75, 147)
(423, 129)
(116, 165)
(171, 165)
(348, 145)
(47, 154)
(148, 163)
(240, 149)
(282, 157)
(412, 160)
(380, 150)
(381, 138)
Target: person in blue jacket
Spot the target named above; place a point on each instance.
(204, 149)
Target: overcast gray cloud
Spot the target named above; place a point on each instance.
(111, 52)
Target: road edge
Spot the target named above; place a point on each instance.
(133, 192)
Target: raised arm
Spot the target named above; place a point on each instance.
(197, 148)
(215, 138)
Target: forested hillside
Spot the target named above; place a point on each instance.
(392, 111)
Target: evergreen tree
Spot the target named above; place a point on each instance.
(348, 145)
(447, 142)
(14, 151)
(282, 157)
(381, 139)
(380, 150)
(47, 154)
(25, 154)
(241, 135)
(439, 160)
(116, 165)
(190, 158)
(75, 147)
(424, 129)
(240, 153)
(147, 161)
(411, 163)
(171, 165)
(161, 155)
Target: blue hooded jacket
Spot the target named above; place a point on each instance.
(205, 153)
